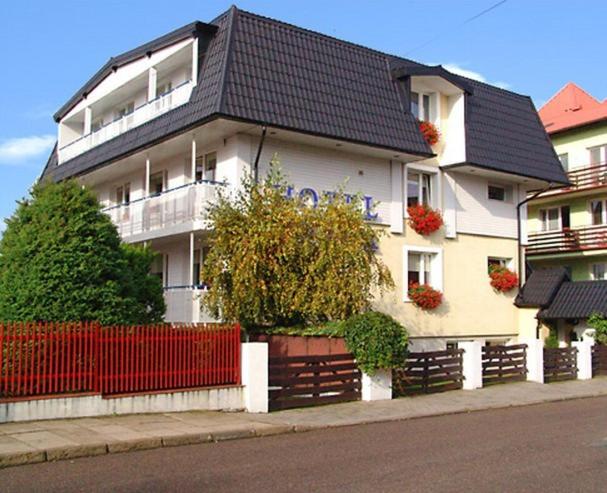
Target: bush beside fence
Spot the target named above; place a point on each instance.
(43, 359)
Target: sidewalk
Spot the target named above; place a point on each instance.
(39, 441)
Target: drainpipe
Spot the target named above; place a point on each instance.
(259, 149)
(519, 231)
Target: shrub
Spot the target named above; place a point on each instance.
(599, 323)
(61, 260)
(430, 132)
(425, 296)
(274, 260)
(376, 340)
(502, 279)
(424, 220)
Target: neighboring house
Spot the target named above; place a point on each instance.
(562, 305)
(158, 130)
(568, 225)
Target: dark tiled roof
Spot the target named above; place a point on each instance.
(265, 71)
(541, 287)
(577, 300)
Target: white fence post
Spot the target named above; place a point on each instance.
(254, 365)
(584, 359)
(535, 360)
(377, 387)
(472, 363)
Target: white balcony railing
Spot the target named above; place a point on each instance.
(165, 210)
(144, 113)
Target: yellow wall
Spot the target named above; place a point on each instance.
(576, 144)
(470, 306)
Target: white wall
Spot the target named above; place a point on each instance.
(327, 169)
(476, 214)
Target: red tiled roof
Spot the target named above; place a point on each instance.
(571, 107)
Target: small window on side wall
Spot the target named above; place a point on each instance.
(493, 262)
(501, 193)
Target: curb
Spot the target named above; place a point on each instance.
(266, 430)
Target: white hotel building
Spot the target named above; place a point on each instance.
(159, 129)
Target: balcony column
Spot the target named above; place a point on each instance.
(191, 273)
(193, 170)
(152, 83)
(88, 120)
(148, 166)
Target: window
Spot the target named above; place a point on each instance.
(564, 159)
(498, 262)
(420, 106)
(96, 124)
(157, 183)
(124, 110)
(123, 194)
(599, 272)
(550, 219)
(423, 265)
(501, 193)
(162, 89)
(206, 166)
(597, 154)
(419, 188)
(598, 212)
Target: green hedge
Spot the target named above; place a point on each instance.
(377, 341)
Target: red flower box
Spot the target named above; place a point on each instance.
(425, 296)
(430, 132)
(503, 279)
(423, 219)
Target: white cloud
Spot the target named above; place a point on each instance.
(471, 74)
(19, 150)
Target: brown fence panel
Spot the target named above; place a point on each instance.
(560, 364)
(298, 381)
(429, 372)
(599, 360)
(504, 364)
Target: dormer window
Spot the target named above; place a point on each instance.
(420, 106)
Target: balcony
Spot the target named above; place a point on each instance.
(144, 113)
(183, 304)
(170, 212)
(567, 240)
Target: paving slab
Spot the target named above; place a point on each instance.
(24, 443)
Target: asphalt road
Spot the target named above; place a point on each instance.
(549, 447)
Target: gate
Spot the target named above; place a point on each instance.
(560, 364)
(298, 381)
(504, 364)
(429, 372)
(599, 360)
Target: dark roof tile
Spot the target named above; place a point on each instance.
(577, 300)
(541, 287)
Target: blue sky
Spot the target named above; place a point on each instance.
(50, 48)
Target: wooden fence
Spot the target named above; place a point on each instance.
(298, 381)
(504, 363)
(429, 372)
(599, 360)
(560, 364)
(41, 359)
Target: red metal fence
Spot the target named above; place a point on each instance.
(39, 359)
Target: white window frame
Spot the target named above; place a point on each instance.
(604, 264)
(602, 154)
(508, 192)
(507, 262)
(566, 156)
(433, 107)
(201, 160)
(604, 212)
(560, 219)
(435, 184)
(436, 267)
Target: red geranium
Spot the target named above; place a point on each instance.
(430, 132)
(423, 219)
(425, 296)
(503, 279)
